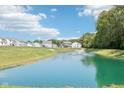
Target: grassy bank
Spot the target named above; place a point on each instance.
(3, 86)
(113, 53)
(65, 49)
(14, 56)
(114, 86)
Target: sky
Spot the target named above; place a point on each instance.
(48, 21)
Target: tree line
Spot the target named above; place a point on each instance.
(110, 30)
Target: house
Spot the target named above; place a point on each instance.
(37, 45)
(29, 44)
(54, 46)
(7, 42)
(15, 43)
(1, 42)
(22, 43)
(76, 45)
(47, 44)
(61, 46)
(4, 42)
(66, 44)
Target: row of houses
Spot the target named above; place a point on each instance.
(48, 44)
(13, 42)
(64, 44)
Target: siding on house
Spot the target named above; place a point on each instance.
(54, 45)
(76, 45)
(37, 45)
(66, 44)
(47, 44)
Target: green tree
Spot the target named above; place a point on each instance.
(74, 40)
(37, 41)
(110, 29)
(87, 40)
(55, 41)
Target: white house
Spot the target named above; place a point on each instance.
(67, 44)
(76, 45)
(54, 46)
(37, 45)
(15, 43)
(8, 42)
(22, 43)
(61, 46)
(29, 44)
(47, 44)
(4, 42)
(1, 42)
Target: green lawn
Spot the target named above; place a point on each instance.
(14, 56)
(113, 53)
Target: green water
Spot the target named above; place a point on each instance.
(108, 71)
(67, 70)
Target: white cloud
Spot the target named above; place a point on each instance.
(91, 10)
(19, 18)
(43, 15)
(53, 10)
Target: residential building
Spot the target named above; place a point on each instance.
(29, 44)
(37, 45)
(66, 44)
(47, 44)
(54, 46)
(76, 45)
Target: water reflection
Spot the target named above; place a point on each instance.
(108, 71)
(66, 69)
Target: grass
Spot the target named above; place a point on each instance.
(65, 49)
(3, 86)
(15, 56)
(113, 53)
(114, 86)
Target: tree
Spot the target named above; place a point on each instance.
(110, 29)
(74, 40)
(55, 41)
(37, 41)
(87, 40)
(29, 41)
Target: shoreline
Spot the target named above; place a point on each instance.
(114, 86)
(109, 53)
(37, 55)
(30, 61)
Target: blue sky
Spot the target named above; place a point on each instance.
(48, 21)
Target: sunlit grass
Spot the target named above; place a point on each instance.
(114, 53)
(3, 86)
(114, 86)
(13, 56)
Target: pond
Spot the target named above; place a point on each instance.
(70, 69)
